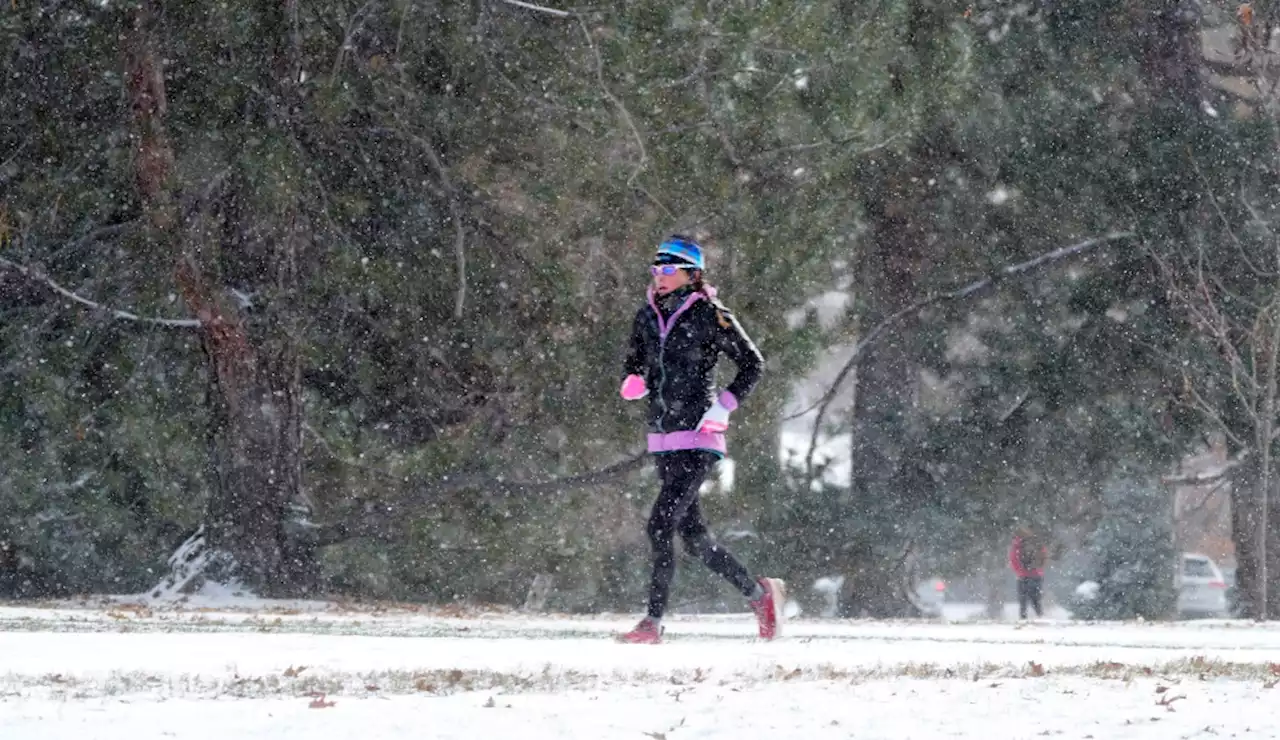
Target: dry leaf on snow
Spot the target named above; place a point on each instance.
(318, 702)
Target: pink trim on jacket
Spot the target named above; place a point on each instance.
(664, 325)
(689, 440)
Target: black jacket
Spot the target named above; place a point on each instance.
(679, 370)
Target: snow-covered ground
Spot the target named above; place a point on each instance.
(117, 672)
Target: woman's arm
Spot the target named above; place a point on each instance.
(734, 342)
(636, 360)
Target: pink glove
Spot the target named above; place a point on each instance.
(633, 388)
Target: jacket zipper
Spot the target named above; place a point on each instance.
(662, 365)
(662, 380)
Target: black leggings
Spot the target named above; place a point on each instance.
(677, 510)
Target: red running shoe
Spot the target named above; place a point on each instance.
(645, 633)
(768, 608)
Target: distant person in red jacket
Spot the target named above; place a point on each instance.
(1027, 556)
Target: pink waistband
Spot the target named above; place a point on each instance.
(691, 440)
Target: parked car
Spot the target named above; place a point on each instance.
(1202, 588)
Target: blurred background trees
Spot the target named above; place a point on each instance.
(376, 263)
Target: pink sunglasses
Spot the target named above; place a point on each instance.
(665, 269)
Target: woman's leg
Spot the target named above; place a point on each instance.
(681, 474)
(699, 543)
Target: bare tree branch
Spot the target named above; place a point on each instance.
(626, 117)
(460, 252)
(834, 142)
(539, 8)
(353, 27)
(1226, 224)
(1204, 502)
(36, 275)
(18, 150)
(383, 521)
(704, 90)
(455, 210)
(1212, 475)
(1209, 409)
(967, 291)
(96, 235)
(1249, 388)
(609, 95)
(295, 43)
(1255, 216)
(1208, 318)
(346, 461)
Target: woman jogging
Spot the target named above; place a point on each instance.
(676, 339)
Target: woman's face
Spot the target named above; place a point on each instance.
(663, 283)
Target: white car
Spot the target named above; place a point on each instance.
(1202, 589)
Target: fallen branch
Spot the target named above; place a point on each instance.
(378, 522)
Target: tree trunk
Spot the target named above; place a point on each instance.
(884, 479)
(256, 445)
(1257, 535)
(872, 571)
(1246, 522)
(876, 586)
(255, 390)
(1272, 526)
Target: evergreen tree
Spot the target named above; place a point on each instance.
(1132, 551)
(423, 229)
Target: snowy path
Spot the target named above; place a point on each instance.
(115, 674)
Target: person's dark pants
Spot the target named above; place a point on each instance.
(677, 511)
(1029, 593)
